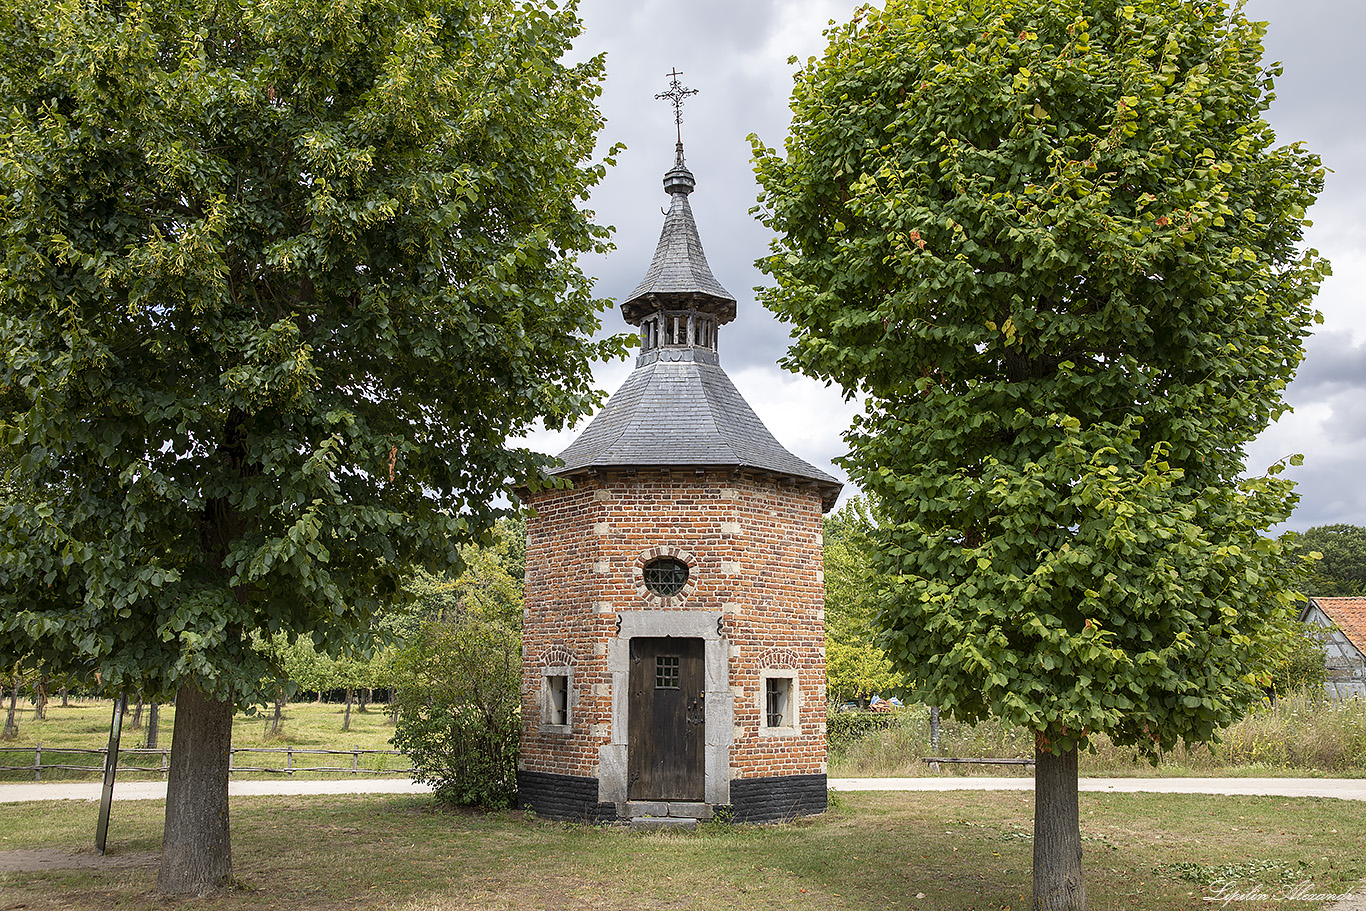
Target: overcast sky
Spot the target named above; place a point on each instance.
(735, 52)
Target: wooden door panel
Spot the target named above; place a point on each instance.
(666, 726)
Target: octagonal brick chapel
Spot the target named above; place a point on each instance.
(674, 638)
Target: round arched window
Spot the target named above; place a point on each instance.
(666, 576)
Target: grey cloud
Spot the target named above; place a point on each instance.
(1332, 362)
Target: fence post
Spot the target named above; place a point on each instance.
(38, 762)
(232, 755)
(289, 762)
(355, 760)
(165, 764)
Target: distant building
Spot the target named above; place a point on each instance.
(674, 636)
(1344, 642)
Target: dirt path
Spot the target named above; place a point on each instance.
(37, 860)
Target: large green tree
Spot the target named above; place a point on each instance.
(1057, 248)
(1342, 570)
(278, 280)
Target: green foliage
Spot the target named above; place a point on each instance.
(855, 665)
(1056, 249)
(272, 307)
(459, 709)
(842, 728)
(1341, 571)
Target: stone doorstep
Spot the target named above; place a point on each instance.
(662, 822)
(672, 809)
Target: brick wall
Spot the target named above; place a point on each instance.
(754, 549)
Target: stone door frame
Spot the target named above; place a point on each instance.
(720, 730)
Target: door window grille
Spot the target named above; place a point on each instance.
(666, 672)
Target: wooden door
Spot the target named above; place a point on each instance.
(666, 728)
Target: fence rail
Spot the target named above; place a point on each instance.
(289, 767)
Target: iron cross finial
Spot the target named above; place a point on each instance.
(677, 93)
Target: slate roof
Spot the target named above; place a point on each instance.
(678, 410)
(1350, 616)
(679, 271)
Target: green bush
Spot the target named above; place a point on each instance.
(458, 685)
(842, 728)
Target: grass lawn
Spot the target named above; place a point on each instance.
(871, 851)
(306, 726)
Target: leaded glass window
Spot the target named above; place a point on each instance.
(666, 576)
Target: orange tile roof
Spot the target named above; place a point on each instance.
(1350, 616)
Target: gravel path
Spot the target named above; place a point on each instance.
(1341, 788)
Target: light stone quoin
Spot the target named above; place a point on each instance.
(675, 675)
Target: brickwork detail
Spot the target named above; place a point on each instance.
(557, 656)
(778, 657)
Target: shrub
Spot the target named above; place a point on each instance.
(459, 709)
(843, 728)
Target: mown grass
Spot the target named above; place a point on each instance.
(1299, 735)
(85, 725)
(925, 851)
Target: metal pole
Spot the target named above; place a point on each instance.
(111, 762)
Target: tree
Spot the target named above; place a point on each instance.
(1056, 248)
(279, 281)
(1342, 569)
(856, 667)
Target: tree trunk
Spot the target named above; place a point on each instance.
(66, 698)
(40, 699)
(934, 729)
(137, 714)
(1058, 884)
(277, 721)
(196, 853)
(152, 719)
(393, 705)
(11, 726)
(346, 721)
(363, 695)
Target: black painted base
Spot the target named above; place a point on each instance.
(563, 797)
(751, 799)
(777, 799)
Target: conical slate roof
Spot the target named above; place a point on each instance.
(679, 274)
(679, 408)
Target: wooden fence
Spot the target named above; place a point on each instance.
(164, 756)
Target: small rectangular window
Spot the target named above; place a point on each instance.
(666, 672)
(778, 702)
(557, 688)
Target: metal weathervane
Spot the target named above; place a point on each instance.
(677, 93)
